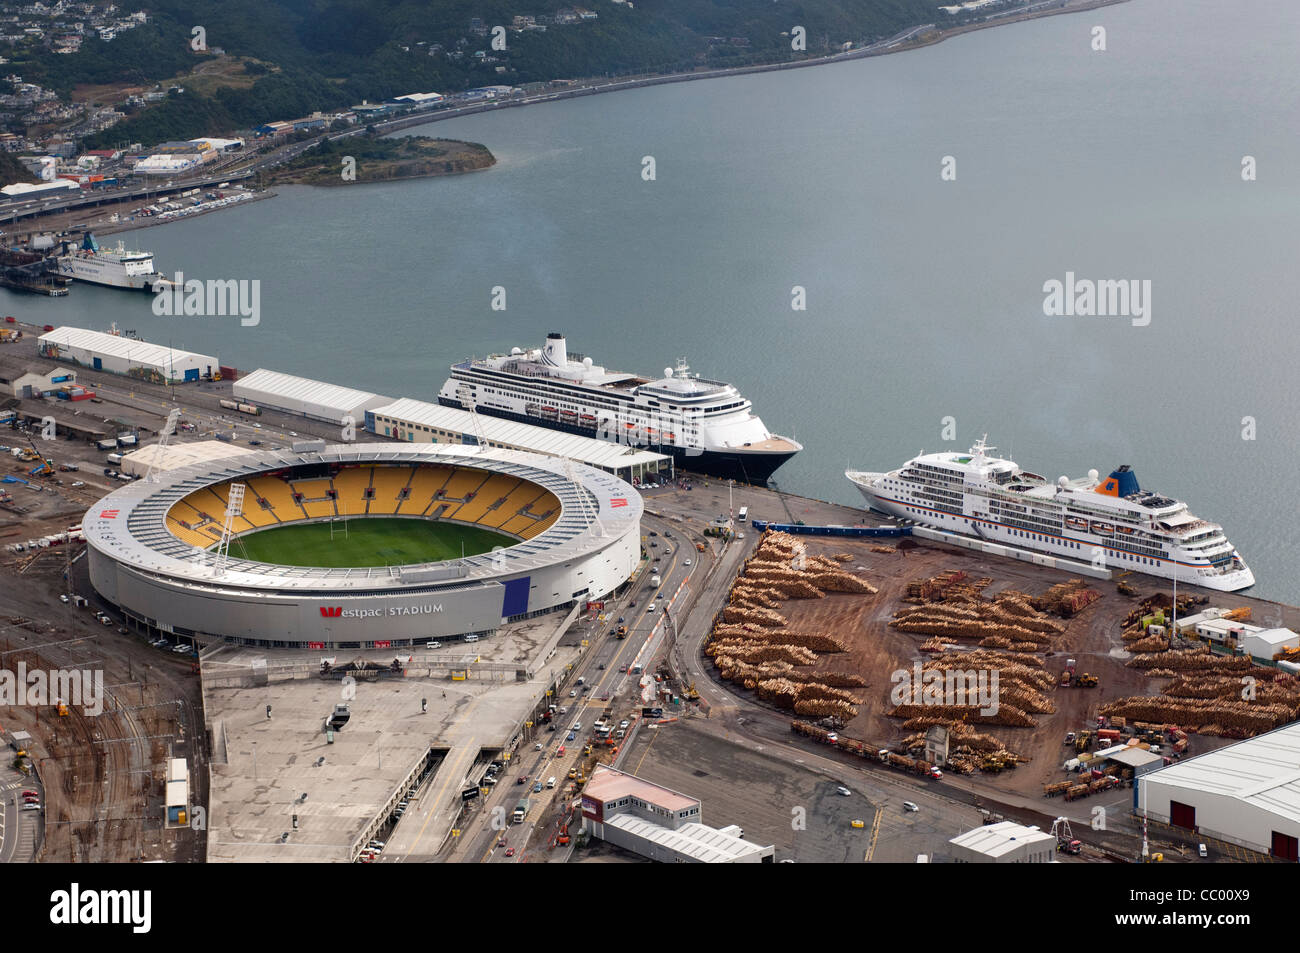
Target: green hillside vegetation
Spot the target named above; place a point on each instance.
(333, 53)
(12, 171)
(380, 160)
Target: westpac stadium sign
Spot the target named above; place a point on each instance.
(338, 612)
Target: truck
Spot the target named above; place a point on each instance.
(338, 718)
(620, 632)
(521, 811)
(127, 440)
(106, 444)
(655, 581)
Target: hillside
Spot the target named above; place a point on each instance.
(327, 54)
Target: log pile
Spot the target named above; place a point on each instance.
(1066, 599)
(920, 717)
(1208, 716)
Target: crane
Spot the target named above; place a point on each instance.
(45, 466)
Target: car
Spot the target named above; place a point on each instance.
(489, 780)
(653, 533)
(63, 597)
(624, 723)
(686, 562)
(292, 434)
(538, 746)
(376, 845)
(573, 694)
(78, 483)
(523, 779)
(650, 607)
(32, 800)
(620, 620)
(577, 726)
(510, 852)
(559, 753)
(254, 443)
(563, 710)
(433, 645)
(501, 842)
(31, 807)
(910, 806)
(654, 544)
(622, 669)
(181, 648)
(601, 666)
(537, 787)
(1202, 851)
(572, 737)
(842, 791)
(31, 794)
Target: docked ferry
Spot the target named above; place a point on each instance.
(980, 495)
(116, 268)
(705, 425)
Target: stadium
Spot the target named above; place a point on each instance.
(361, 545)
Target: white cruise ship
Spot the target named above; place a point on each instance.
(116, 268)
(980, 495)
(705, 425)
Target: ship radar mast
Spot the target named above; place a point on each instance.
(981, 447)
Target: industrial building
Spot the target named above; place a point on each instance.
(1246, 793)
(417, 421)
(177, 455)
(1266, 643)
(158, 363)
(317, 400)
(1004, 843)
(36, 382)
(658, 823)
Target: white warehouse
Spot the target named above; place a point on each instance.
(1004, 843)
(159, 363)
(301, 395)
(1246, 793)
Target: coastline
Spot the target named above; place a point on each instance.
(913, 38)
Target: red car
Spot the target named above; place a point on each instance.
(510, 852)
(523, 779)
(31, 794)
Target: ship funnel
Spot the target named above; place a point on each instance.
(555, 353)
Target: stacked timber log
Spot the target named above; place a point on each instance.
(1066, 599)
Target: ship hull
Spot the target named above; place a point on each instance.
(107, 278)
(755, 467)
(1074, 548)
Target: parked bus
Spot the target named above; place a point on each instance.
(743, 514)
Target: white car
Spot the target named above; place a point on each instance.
(842, 791)
(686, 562)
(63, 597)
(434, 645)
(909, 806)
(650, 607)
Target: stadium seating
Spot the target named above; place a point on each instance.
(496, 501)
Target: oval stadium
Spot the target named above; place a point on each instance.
(361, 545)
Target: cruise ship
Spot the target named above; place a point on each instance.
(705, 425)
(990, 498)
(116, 268)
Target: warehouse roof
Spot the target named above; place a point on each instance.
(708, 845)
(1131, 756)
(995, 840)
(589, 450)
(138, 352)
(609, 784)
(176, 455)
(1274, 636)
(1263, 772)
(296, 393)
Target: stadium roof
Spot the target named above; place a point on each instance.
(1263, 772)
(132, 349)
(303, 395)
(176, 455)
(129, 525)
(597, 453)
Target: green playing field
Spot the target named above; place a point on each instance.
(370, 541)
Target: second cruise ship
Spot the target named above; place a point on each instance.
(991, 498)
(705, 425)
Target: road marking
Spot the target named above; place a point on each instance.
(875, 830)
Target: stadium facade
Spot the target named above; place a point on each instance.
(577, 532)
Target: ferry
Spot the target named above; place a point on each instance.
(977, 494)
(707, 426)
(116, 268)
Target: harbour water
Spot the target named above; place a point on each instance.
(925, 297)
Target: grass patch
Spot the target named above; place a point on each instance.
(370, 541)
